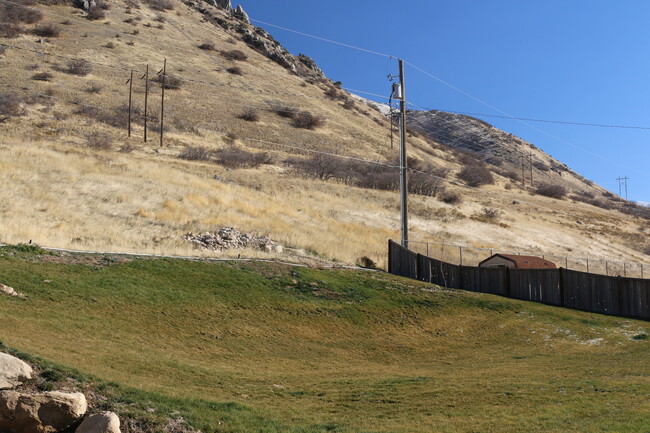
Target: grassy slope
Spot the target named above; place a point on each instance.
(322, 350)
(63, 194)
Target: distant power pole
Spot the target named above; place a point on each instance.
(530, 160)
(162, 103)
(402, 157)
(130, 83)
(622, 179)
(146, 100)
(523, 170)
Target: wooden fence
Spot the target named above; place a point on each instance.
(616, 296)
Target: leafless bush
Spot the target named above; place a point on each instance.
(10, 31)
(10, 106)
(234, 55)
(196, 154)
(2, 50)
(99, 141)
(235, 70)
(13, 13)
(250, 115)
(160, 19)
(239, 158)
(207, 46)
(306, 120)
(283, 110)
(476, 175)
(95, 14)
(185, 126)
(425, 184)
(42, 76)
(109, 45)
(449, 197)
(646, 250)
(78, 67)
(319, 166)
(490, 213)
(551, 190)
(47, 31)
(160, 5)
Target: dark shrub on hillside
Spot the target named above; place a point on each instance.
(319, 166)
(306, 120)
(551, 190)
(449, 197)
(424, 184)
(250, 115)
(95, 14)
(19, 13)
(47, 31)
(195, 154)
(476, 175)
(207, 47)
(161, 5)
(646, 250)
(541, 166)
(10, 106)
(239, 158)
(42, 76)
(99, 141)
(10, 31)
(78, 67)
(235, 70)
(283, 110)
(234, 55)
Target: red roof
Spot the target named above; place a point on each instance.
(526, 262)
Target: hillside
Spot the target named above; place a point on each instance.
(240, 347)
(243, 119)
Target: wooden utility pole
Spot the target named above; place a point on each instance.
(402, 157)
(146, 100)
(523, 171)
(162, 103)
(530, 159)
(130, 99)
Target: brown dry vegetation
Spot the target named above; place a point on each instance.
(60, 191)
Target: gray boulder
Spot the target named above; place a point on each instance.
(13, 371)
(48, 412)
(105, 422)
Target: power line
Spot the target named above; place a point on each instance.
(365, 50)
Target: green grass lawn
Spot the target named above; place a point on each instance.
(242, 347)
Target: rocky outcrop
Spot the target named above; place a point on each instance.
(241, 14)
(48, 412)
(104, 422)
(13, 371)
(229, 238)
(11, 292)
(223, 4)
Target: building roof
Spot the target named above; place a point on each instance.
(525, 262)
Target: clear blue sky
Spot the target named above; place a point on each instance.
(579, 60)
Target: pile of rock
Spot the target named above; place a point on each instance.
(230, 238)
(44, 412)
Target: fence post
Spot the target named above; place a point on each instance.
(562, 293)
(587, 265)
(427, 249)
(625, 269)
(461, 255)
(390, 257)
(641, 270)
(566, 262)
(606, 268)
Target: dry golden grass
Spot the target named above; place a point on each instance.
(58, 192)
